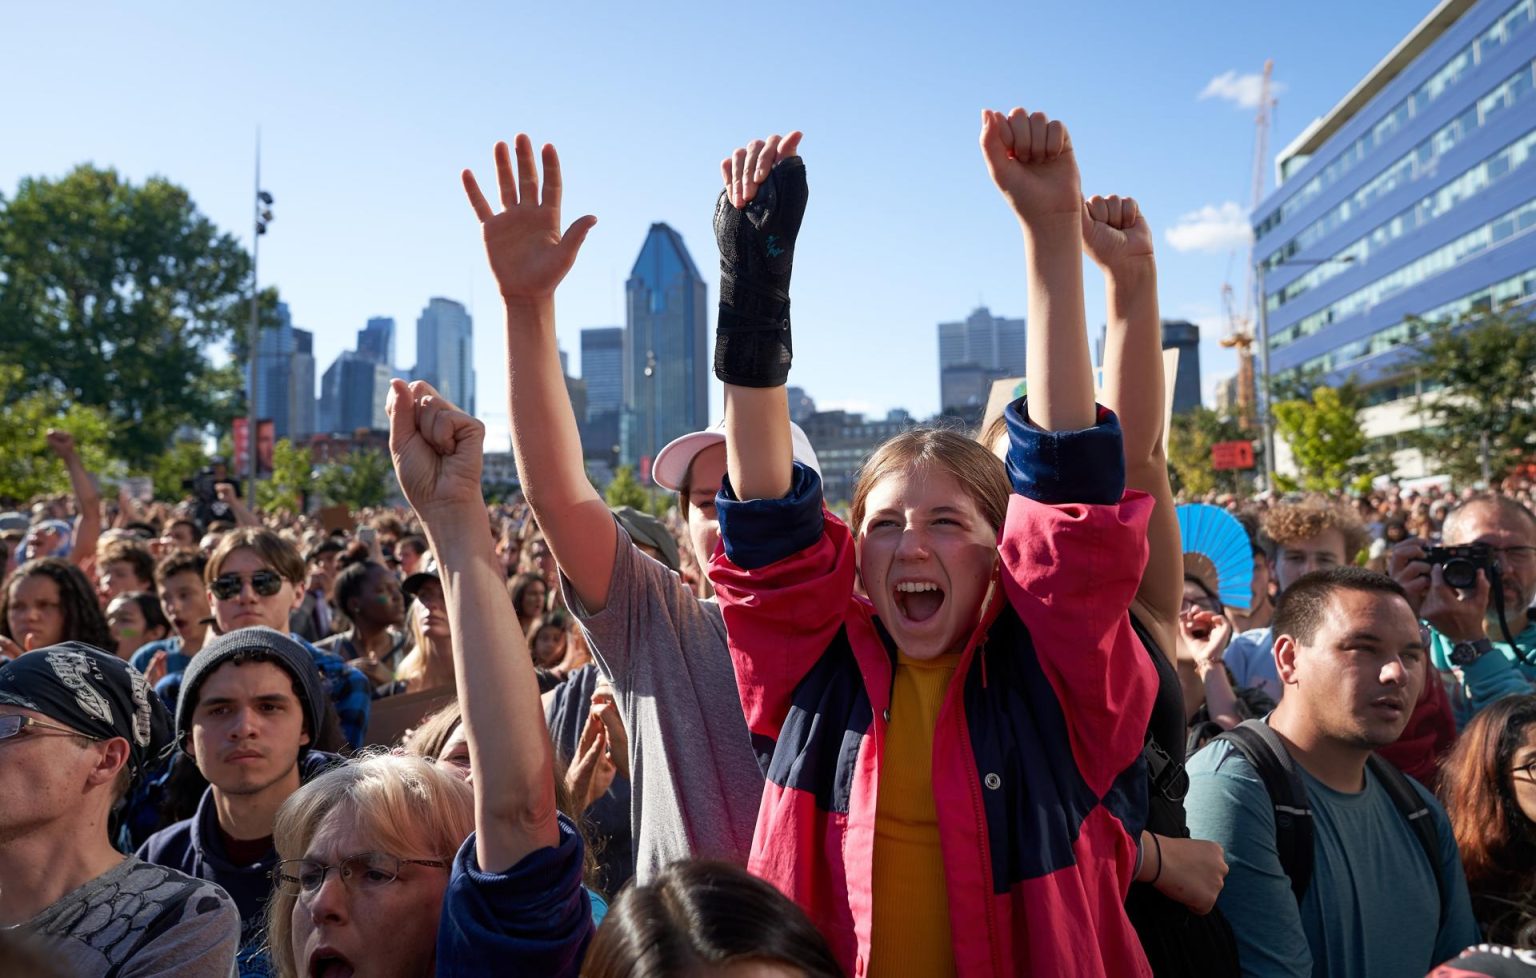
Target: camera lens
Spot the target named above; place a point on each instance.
(1461, 573)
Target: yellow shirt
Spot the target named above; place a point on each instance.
(910, 929)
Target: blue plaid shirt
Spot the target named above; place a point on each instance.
(350, 692)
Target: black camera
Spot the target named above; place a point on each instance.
(1461, 564)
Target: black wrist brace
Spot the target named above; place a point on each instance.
(757, 250)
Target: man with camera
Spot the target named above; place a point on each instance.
(1475, 592)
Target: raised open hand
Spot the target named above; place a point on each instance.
(1031, 160)
(528, 254)
(1115, 234)
(746, 169)
(437, 449)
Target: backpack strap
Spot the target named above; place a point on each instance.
(1416, 812)
(1262, 748)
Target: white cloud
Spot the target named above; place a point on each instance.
(1241, 90)
(1214, 227)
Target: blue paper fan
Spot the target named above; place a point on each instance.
(1220, 538)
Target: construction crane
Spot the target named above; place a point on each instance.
(1239, 334)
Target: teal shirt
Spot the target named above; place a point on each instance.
(1496, 675)
(1373, 908)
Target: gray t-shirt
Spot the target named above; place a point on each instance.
(695, 779)
(138, 920)
(1373, 907)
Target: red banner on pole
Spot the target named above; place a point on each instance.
(1232, 455)
(266, 437)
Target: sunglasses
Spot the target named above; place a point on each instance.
(264, 582)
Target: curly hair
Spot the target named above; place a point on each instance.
(83, 620)
(1288, 522)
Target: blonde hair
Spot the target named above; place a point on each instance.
(1287, 523)
(979, 472)
(408, 806)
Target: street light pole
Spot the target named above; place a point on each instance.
(262, 216)
(250, 401)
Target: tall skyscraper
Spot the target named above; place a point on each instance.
(975, 352)
(301, 386)
(1411, 197)
(666, 345)
(285, 389)
(602, 367)
(445, 354)
(352, 394)
(1185, 337)
(376, 341)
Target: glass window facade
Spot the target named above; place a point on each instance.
(1419, 206)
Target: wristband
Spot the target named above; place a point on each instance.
(1158, 843)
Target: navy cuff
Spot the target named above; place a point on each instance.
(1056, 467)
(759, 532)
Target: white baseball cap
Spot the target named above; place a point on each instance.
(670, 469)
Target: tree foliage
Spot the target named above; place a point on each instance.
(1189, 453)
(292, 468)
(171, 468)
(361, 478)
(1326, 441)
(1487, 367)
(28, 467)
(111, 293)
(626, 490)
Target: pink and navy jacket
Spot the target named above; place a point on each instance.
(1037, 766)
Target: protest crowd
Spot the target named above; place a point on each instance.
(1012, 713)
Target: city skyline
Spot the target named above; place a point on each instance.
(364, 158)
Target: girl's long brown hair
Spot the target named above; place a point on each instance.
(1494, 836)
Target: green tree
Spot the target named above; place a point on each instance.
(626, 490)
(1326, 441)
(111, 292)
(28, 467)
(170, 469)
(363, 477)
(1487, 367)
(1189, 453)
(292, 467)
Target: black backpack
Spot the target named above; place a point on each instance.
(1261, 746)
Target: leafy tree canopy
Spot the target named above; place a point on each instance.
(1486, 369)
(1326, 441)
(111, 293)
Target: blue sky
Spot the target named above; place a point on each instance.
(369, 111)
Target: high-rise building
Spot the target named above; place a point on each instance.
(285, 390)
(801, 405)
(1411, 198)
(973, 353)
(376, 341)
(602, 367)
(1184, 337)
(602, 371)
(445, 354)
(353, 393)
(301, 386)
(666, 346)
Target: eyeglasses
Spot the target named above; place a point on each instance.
(12, 724)
(365, 870)
(264, 582)
(1523, 556)
(1528, 769)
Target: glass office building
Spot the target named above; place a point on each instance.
(1415, 196)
